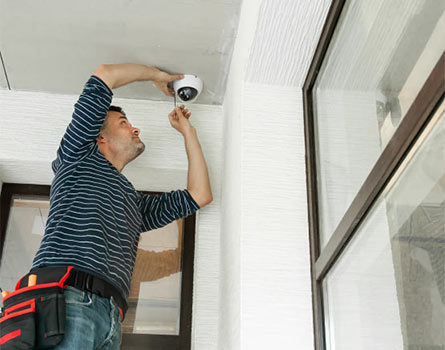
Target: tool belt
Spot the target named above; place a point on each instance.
(81, 280)
(34, 317)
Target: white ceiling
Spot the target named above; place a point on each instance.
(53, 46)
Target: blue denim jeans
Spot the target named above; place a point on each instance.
(92, 322)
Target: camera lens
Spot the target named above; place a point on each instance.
(187, 93)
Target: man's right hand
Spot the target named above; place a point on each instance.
(179, 119)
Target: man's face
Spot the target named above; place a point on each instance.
(122, 138)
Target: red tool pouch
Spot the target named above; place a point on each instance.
(34, 317)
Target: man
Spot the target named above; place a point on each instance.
(96, 216)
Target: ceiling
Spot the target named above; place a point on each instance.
(53, 46)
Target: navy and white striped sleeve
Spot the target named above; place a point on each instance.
(90, 111)
(160, 210)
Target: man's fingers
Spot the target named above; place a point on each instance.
(163, 87)
(176, 77)
(166, 90)
(185, 112)
(179, 111)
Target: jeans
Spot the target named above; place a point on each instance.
(92, 322)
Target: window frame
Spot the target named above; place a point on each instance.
(129, 341)
(405, 136)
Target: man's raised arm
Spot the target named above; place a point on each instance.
(117, 75)
(198, 184)
(159, 211)
(91, 108)
(89, 113)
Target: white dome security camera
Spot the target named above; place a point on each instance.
(188, 88)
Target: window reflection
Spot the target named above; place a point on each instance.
(26, 226)
(387, 290)
(379, 58)
(155, 291)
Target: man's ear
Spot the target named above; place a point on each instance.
(100, 139)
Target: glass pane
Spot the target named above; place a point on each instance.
(387, 290)
(26, 226)
(155, 292)
(380, 56)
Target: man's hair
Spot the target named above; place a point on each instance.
(115, 109)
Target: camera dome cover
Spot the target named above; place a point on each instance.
(188, 88)
(187, 93)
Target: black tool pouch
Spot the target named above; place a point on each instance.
(34, 317)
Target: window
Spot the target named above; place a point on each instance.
(160, 302)
(376, 176)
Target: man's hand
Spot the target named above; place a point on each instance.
(179, 119)
(162, 79)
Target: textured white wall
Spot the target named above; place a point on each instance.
(32, 124)
(268, 277)
(230, 271)
(285, 41)
(276, 291)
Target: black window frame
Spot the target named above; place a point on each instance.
(405, 136)
(129, 341)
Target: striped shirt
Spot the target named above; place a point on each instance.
(96, 216)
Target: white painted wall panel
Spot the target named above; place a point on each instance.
(276, 289)
(268, 277)
(33, 124)
(231, 213)
(285, 41)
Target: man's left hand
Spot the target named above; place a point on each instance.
(162, 79)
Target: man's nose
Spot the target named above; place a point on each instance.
(136, 131)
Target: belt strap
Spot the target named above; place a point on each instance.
(80, 280)
(85, 281)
